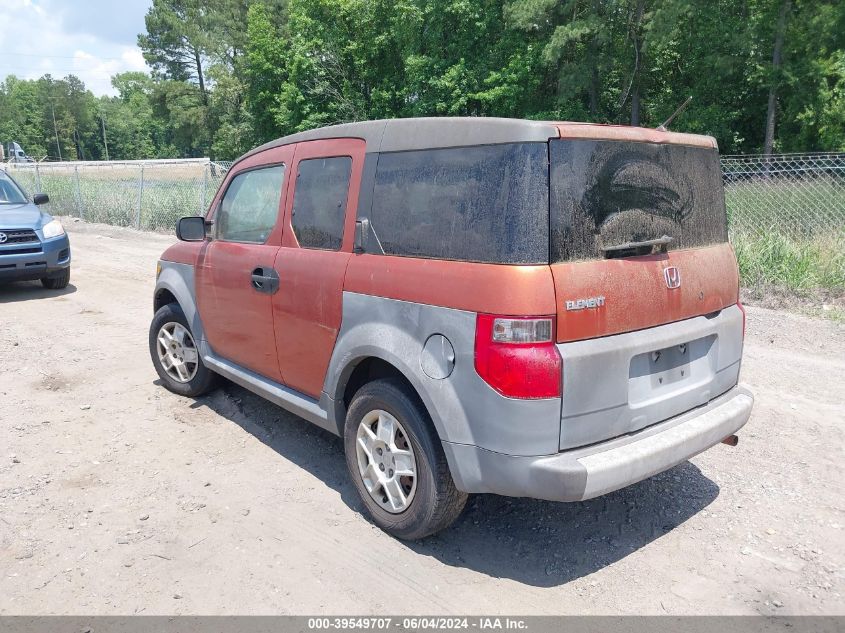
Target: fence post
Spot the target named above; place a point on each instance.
(203, 203)
(38, 180)
(140, 195)
(79, 208)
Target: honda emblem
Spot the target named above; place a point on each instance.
(672, 276)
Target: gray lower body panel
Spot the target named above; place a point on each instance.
(588, 472)
(620, 384)
(463, 408)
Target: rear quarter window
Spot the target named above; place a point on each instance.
(482, 204)
(319, 202)
(607, 193)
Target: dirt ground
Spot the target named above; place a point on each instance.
(117, 497)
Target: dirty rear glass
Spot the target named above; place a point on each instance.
(608, 193)
(480, 204)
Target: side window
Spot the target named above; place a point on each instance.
(319, 202)
(482, 204)
(250, 205)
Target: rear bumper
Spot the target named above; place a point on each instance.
(52, 258)
(584, 473)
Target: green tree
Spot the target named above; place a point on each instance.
(266, 70)
(178, 40)
(21, 116)
(132, 130)
(229, 74)
(812, 78)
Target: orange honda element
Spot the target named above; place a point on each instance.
(474, 305)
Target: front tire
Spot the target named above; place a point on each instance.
(397, 463)
(175, 354)
(58, 282)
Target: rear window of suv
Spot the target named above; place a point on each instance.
(483, 204)
(610, 193)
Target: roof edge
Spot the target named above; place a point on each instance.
(596, 131)
(396, 135)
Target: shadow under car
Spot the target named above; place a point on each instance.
(539, 543)
(28, 290)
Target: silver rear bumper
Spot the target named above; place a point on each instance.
(612, 386)
(588, 472)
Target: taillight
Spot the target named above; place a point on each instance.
(517, 356)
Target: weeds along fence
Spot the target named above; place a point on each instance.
(786, 215)
(147, 195)
(786, 212)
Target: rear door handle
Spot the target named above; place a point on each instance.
(265, 280)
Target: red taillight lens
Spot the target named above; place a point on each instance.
(517, 356)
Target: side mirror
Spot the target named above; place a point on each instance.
(40, 198)
(191, 229)
(362, 235)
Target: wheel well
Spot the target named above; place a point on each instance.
(162, 298)
(371, 369)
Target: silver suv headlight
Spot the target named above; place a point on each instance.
(53, 228)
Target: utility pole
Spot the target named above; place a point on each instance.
(105, 142)
(56, 131)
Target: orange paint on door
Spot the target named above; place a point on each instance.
(308, 308)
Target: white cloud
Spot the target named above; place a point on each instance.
(93, 40)
(134, 59)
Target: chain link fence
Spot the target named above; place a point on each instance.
(797, 196)
(147, 195)
(786, 215)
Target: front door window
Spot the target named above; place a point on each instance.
(249, 209)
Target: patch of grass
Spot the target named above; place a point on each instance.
(111, 196)
(833, 313)
(789, 236)
(797, 264)
(800, 208)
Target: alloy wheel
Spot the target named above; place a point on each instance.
(177, 352)
(386, 461)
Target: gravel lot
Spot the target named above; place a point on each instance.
(117, 497)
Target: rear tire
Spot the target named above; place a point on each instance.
(388, 428)
(180, 368)
(57, 282)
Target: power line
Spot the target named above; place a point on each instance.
(46, 71)
(116, 59)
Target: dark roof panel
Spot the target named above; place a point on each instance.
(426, 133)
(370, 131)
(397, 135)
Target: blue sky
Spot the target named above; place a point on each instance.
(92, 39)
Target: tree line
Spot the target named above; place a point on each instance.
(765, 75)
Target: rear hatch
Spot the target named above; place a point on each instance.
(644, 280)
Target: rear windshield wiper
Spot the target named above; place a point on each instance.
(662, 242)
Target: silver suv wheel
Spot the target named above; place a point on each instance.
(177, 352)
(386, 461)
